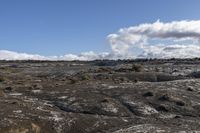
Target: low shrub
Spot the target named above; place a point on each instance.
(137, 67)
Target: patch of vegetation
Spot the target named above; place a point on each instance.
(85, 77)
(103, 69)
(137, 68)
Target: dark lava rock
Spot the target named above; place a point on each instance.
(99, 96)
(194, 74)
(162, 108)
(190, 89)
(8, 89)
(180, 103)
(148, 94)
(164, 97)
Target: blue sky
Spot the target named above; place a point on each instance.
(57, 27)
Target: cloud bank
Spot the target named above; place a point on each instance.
(177, 39)
(10, 55)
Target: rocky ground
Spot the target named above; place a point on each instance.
(152, 96)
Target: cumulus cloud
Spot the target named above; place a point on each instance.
(184, 37)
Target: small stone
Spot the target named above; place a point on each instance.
(190, 89)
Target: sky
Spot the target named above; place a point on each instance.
(80, 28)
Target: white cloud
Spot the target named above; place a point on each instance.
(84, 56)
(185, 36)
(9, 55)
(179, 39)
(171, 51)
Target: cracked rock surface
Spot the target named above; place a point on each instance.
(156, 96)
